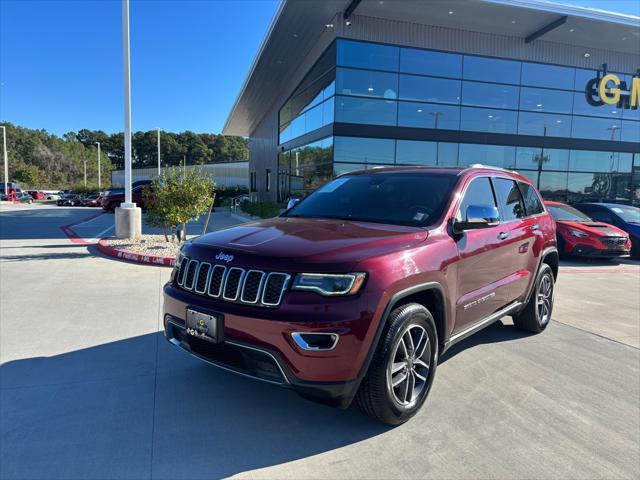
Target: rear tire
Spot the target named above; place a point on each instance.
(403, 366)
(535, 316)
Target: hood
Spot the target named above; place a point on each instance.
(599, 229)
(303, 240)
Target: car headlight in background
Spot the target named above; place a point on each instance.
(578, 233)
(330, 284)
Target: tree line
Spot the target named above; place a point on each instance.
(43, 160)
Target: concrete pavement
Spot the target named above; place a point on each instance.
(90, 389)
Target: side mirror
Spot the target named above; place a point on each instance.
(292, 203)
(478, 216)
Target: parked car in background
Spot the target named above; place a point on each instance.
(36, 195)
(625, 217)
(24, 197)
(70, 200)
(53, 196)
(579, 235)
(91, 201)
(114, 198)
(356, 291)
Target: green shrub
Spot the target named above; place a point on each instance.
(260, 209)
(176, 197)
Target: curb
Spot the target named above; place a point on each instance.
(133, 256)
(72, 235)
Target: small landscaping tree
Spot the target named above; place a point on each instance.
(177, 197)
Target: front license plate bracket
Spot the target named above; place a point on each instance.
(205, 325)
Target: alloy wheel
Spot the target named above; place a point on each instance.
(544, 299)
(409, 366)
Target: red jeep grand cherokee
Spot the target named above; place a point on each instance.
(355, 291)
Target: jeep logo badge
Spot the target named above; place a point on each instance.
(224, 257)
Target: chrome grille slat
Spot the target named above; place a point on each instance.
(216, 282)
(190, 276)
(271, 290)
(248, 286)
(248, 296)
(232, 289)
(200, 273)
(182, 271)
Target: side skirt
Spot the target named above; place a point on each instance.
(485, 322)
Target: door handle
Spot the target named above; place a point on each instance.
(535, 227)
(503, 235)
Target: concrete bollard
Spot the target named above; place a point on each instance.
(128, 221)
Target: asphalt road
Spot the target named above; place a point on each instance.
(89, 388)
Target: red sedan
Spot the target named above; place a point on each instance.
(36, 195)
(579, 235)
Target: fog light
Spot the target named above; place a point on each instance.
(315, 341)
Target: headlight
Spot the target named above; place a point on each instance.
(578, 233)
(330, 284)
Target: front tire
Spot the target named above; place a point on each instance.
(403, 366)
(535, 316)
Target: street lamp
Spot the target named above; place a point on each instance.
(158, 152)
(99, 183)
(128, 216)
(6, 162)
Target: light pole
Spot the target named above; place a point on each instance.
(128, 216)
(127, 103)
(158, 152)
(436, 115)
(99, 183)
(6, 161)
(85, 173)
(613, 129)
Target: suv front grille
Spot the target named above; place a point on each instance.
(232, 284)
(614, 241)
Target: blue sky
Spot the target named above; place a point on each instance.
(61, 60)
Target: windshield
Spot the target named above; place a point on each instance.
(413, 199)
(567, 213)
(627, 214)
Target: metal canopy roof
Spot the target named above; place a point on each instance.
(297, 25)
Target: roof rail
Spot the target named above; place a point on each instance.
(490, 167)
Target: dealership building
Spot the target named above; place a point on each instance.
(549, 90)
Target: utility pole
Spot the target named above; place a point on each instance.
(99, 182)
(85, 173)
(6, 162)
(158, 152)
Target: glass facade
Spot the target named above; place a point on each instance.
(373, 85)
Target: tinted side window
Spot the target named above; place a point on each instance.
(509, 199)
(602, 216)
(479, 192)
(532, 202)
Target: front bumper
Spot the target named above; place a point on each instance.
(581, 250)
(257, 342)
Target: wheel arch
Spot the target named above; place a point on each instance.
(432, 296)
(552, 258)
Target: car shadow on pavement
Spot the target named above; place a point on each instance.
(44, 256)
(495, 333)
(139, 406)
